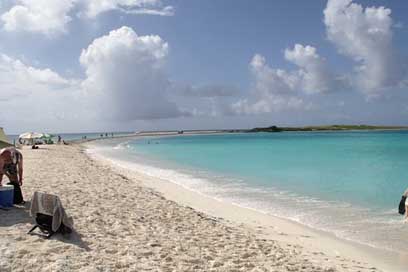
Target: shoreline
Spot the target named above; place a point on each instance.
(267, 225)
(220, 131)
(122, 224)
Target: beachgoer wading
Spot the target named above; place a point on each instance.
(406, 204)
(11, 165)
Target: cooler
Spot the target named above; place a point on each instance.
(6, 195)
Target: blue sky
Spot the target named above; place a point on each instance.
(135, 64)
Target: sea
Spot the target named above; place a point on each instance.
(346, 183)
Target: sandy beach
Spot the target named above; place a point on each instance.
(125, 221)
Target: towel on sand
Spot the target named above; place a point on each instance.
(50, 205)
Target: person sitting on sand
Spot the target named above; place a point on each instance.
(11, 165)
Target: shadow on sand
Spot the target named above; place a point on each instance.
(73, 238)
(20, 214)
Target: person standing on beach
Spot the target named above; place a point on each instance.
(11, 165)
(406, 204)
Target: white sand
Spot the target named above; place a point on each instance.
(122, 225)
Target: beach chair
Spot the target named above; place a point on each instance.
(49, 215)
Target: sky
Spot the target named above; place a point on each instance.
(132, 65)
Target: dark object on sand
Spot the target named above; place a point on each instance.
(17, 194)
(401, 208)
(44, 223)
(49, 215)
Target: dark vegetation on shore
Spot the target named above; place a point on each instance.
(267, 129)
(325, 128)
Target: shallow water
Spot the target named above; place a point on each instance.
(347, 183)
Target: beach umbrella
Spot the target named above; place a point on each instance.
(47, 136)
(4, 142)
(30, 135)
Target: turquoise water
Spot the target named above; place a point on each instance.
(347, 183)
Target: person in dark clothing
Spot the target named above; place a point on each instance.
(11, 165)
(406, 204)
(403, 205)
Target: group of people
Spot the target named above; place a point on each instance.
(11, 166)
(106, 135)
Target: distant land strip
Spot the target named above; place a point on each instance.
(326, 128)
(271, 129)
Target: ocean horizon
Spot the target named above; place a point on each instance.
(345, 183)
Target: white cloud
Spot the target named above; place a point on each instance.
(151, 7)
(268, 80)
(365, 35)
(276, 89)
(18, 78)
(273, 90)
(125, 81)
(42, 16)
(51, 17)
(125, 76)
(314, 75)
(37, 98)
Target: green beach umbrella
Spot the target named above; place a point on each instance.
(47, 136)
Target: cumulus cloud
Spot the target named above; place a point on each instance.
(51, 17)
(35, 97)
(19, 79)
(273, 90)
(278, 89)
(124, 81)
(268, 80)
(42, 16)
(365, 35)
(314, 75)
(125, 76)
(151, 7)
